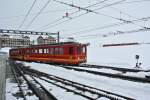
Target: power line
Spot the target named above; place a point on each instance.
(81, 8)
(38, 13)
(27, 14)
(92, 11)
(57, 20)
(114, 33)
(127, 15)
(117, 18)
(109, 26)
(44, 12)
(88, 12)
(101, 8)
(136, 1)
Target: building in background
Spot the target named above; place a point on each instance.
(12, 41)
(47, 40)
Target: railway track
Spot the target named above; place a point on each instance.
(19, 84)
(77, 88)
(124, 70)
(120, 76)
(38, 89)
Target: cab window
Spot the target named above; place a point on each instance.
(70, 50)
(81, 50)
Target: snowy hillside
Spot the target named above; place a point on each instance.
(121, 56)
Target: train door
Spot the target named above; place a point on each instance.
(27, 54)
(81, 53)
(71, 54)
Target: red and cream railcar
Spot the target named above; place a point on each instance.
(62, 53)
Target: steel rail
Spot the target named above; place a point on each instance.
(110, 67)
(19, 84)
(78, 86)
(41, 92)
(124, 77)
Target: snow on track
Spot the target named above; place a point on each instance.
(136, 90)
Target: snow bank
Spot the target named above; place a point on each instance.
(119, 56)
(140, 91)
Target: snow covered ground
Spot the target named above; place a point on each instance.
(140, 91)
(119, 56)
(59, 93)
(13, 91)
(136, 74)
(5, 49)
(11, 88)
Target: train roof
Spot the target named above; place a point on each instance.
(61, 43)
(55, 44)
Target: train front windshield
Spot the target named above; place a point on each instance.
(81, 50)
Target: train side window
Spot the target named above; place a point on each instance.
(28, 52)
(61, 51)
(79, 50)
(70, 50)
(36, 51)
(56, 51)
(40, 51)
(33, 51)
(45, 51)
(51, 51)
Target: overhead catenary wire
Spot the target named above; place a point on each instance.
(45, 5)
(61, 10)
(27, 14)
(81, 8)
(57, 20)
(108, 26)
(130, 2)
(128, 16)
(117, 18)
(31, 14)
(93, 11)
(136, 1)
(88, 10)
(113, 33)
